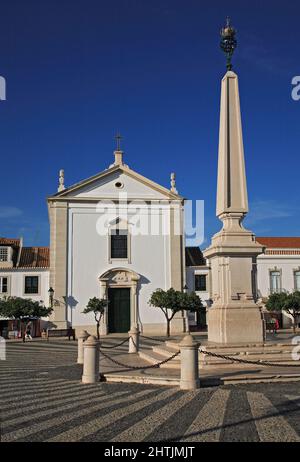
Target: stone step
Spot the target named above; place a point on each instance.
(161, 352)
(250, 354)
(169, 380)
(153, 358)
(170, 344)
(245, 349)
(254, 352)
(272, 355)
(165, 351)
(284, 360)
(149, 380)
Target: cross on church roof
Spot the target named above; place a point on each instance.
(118, 138)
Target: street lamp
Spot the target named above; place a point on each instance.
(51, 293)
(185, 289)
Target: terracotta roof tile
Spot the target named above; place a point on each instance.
(34, 257)
(280, 242)
(8, 241)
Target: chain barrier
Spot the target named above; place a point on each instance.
(152, 366)
(115, 346)
(245, 361)
(127, 339)
(205, 352)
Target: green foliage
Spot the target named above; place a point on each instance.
(172, 301)
(191, 302)
(292, 304)
(276, 301)
(166, 301)
(96, 306)
(285, 302)
(22, 308)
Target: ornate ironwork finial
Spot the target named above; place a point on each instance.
(228, 42)
(118, 138)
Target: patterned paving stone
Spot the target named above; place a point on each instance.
(43, 399)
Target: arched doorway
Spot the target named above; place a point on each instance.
(119, 286)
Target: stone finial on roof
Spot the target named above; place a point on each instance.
(173, 184)
(61, 180)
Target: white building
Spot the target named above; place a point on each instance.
(198, 279)
(117, 235)
(278, 270)
(24, 272)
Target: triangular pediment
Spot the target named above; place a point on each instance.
(113, 181)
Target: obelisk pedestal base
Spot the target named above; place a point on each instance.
(234, 324)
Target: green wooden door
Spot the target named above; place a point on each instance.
(118, 310)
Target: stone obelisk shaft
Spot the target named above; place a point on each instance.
(232, 188)
(234, 316)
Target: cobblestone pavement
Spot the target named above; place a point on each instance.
(42, 399)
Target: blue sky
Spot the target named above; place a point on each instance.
(78, 71)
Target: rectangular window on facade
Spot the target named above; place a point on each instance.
(200, 282)
(275, 282)
(297, 280)
(31, 285)
(119, 244)
(3, 254)
(3, 285)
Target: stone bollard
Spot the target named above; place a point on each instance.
(189, 378)
(91, 360)
(82, 336)
(134, 340)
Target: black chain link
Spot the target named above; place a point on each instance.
(153, 366)
(245, 361)
(126, 340)
(115, 346)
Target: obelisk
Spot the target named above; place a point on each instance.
(234, 317)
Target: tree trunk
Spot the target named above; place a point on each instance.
(98, 330)
(168, 327)
(295, 322)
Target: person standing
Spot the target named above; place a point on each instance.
(28, 331)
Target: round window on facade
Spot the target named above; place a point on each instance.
(119, 185)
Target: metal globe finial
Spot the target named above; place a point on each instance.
(228, 42)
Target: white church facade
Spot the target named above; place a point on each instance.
(117, 236)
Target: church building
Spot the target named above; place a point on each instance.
(118, 236)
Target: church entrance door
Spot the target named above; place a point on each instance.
(118, 310)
